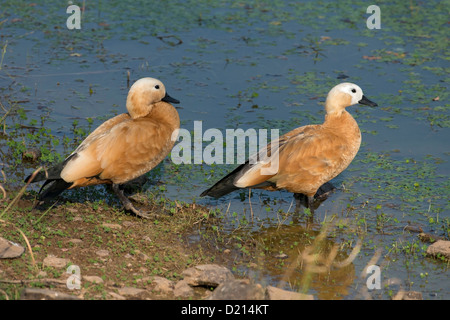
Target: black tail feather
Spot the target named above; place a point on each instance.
(223, 186)
(53, 173)
(324, 190)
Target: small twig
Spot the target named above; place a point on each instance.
(3, 190)
(250, 202)
(46, 211)
(46, 282)
(4, 293)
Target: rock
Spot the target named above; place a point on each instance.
(274, 293)
(116, 296)
(162, 285)
(93, 279)
(102, 253)
(281, 256)
(238, 290)
(128, 224)
(45, 294)
(439, 249)
(427, 237)
(52, 261)
(42, 274)
(75, 241)
(182, 289)
(9, 249)
(130, 291)
(210, 275)
(112, 226)
(31, 155)
(412, 295)
(413, 228)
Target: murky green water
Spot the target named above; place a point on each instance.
(262, 65)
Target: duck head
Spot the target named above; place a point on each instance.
(144, 94)
(344, 95)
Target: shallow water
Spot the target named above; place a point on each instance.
(261, 65)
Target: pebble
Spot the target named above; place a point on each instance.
(93, 279)
(162, 285)
(440, 248)
(182, 289)
(102, 253)
(130, 291)
(210, 275)
(52, 261)
(274, 293)
(241, 289)
(9, 249)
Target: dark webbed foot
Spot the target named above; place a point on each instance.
(129, 206)
(302, 200)
(313, 203)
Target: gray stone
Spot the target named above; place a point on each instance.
(9, 249)
(52, 261)
(116, 296)
(182, 289)
(102, 253)
(130, 291)
(274, 293)
(238, 290)
(162, 285)
(210, 275)
(112, 226)
(412, 295)
(93, 279)
(440, 248)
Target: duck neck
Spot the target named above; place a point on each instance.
(342, 122)
(164, 112)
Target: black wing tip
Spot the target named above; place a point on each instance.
(53, 190)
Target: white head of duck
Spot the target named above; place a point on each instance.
(344, 95)
(144, 94)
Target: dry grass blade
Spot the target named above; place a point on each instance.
(21, 192)
(3, 191)
(4, 293)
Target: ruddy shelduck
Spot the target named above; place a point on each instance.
(307, 157)
(122, 148)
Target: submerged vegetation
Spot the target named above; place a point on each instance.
(233, 64)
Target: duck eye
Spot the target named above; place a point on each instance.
(157, 86)
(354, 90)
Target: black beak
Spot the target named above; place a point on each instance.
(169, 99)
(367, 102)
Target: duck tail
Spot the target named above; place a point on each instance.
(53, 184)
(223, 186)
(324, 190)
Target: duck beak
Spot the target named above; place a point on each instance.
(169, 99)
(367, 102)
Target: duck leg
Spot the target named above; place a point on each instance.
(129, 206)
(305, 201)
